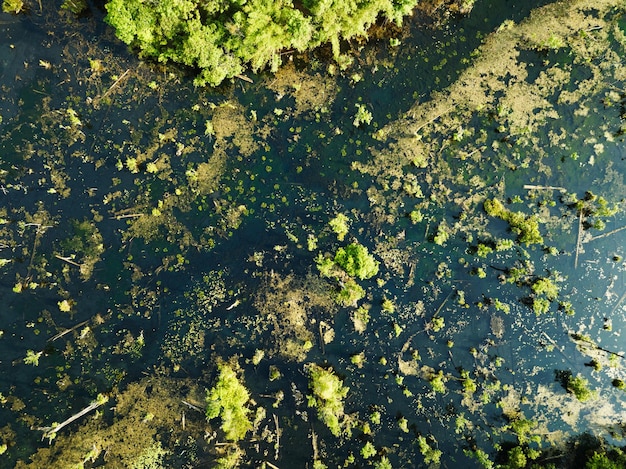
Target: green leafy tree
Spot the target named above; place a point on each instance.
(227, 400)
(221, 38)
(356, 261)
(328, 394)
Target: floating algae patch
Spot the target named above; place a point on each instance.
(293, 310)
(147, 427)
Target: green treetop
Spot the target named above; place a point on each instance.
(356, 261)
(227, 400)
(222, 38)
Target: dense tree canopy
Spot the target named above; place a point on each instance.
(223, 37)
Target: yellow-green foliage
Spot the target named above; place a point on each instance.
(227, 400)
(356, 261)
(222, 38)
(328, 394)
(340, 225)
(525, 227)
(431, 455)
(12, 6)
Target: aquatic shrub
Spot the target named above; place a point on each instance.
(525, 227)
(356, 260)
(403, 424)
(546, 287)
(431, 455)
(340, 226)
(443, 234)
(75, 6)
(481, 457)
(416, 216)
(327, 397)
(516, 459)
(576, 385)
(437, 382)
(388, 306)
(540, 306)
(362, 116)
(32, 357)
(368, 450)
(350, 293)
(13, 6)
(222, 39)
(601, 460)
(227, 399)
(383, 463)
(619, 384)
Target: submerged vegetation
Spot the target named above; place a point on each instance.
(416, 262)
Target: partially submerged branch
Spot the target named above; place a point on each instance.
(50, 432)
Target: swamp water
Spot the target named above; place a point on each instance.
(156, 237)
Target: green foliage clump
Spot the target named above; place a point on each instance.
(75, 6)
(516, 459)
(222, 38)
(431, 455)
(362, 116)
(227, 400)
(481, 457)
(576, 385)
(525, 227)
(356, 261)
(443, 234)
(546, 287)
(616, 459)
(328, 394)
(368, 450)
(13, 6)
(438, 382)
(32, 357)
(350, 293)
(619, 384)
(540, 306)
(383, 463)
(340, 226)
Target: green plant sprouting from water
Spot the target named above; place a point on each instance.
(228, 399)
(328, 393)
(349, 262)
(356, 261)
(223, 39)
(525, 227)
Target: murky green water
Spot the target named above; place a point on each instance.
(152, 232)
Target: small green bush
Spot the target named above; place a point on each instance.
(328, 394)
(356, 261)
(227, 400)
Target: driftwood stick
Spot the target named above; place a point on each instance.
(130, 215)
(68, 260)
(67, 331)
(244, 78)
(443, 304)
(609, 233)
(191, 406)
(621, 298)
(277, 444)
(531, 187)
(115, 84)
(580, 226)
(49, 432)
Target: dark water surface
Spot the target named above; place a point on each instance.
(150, 231)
